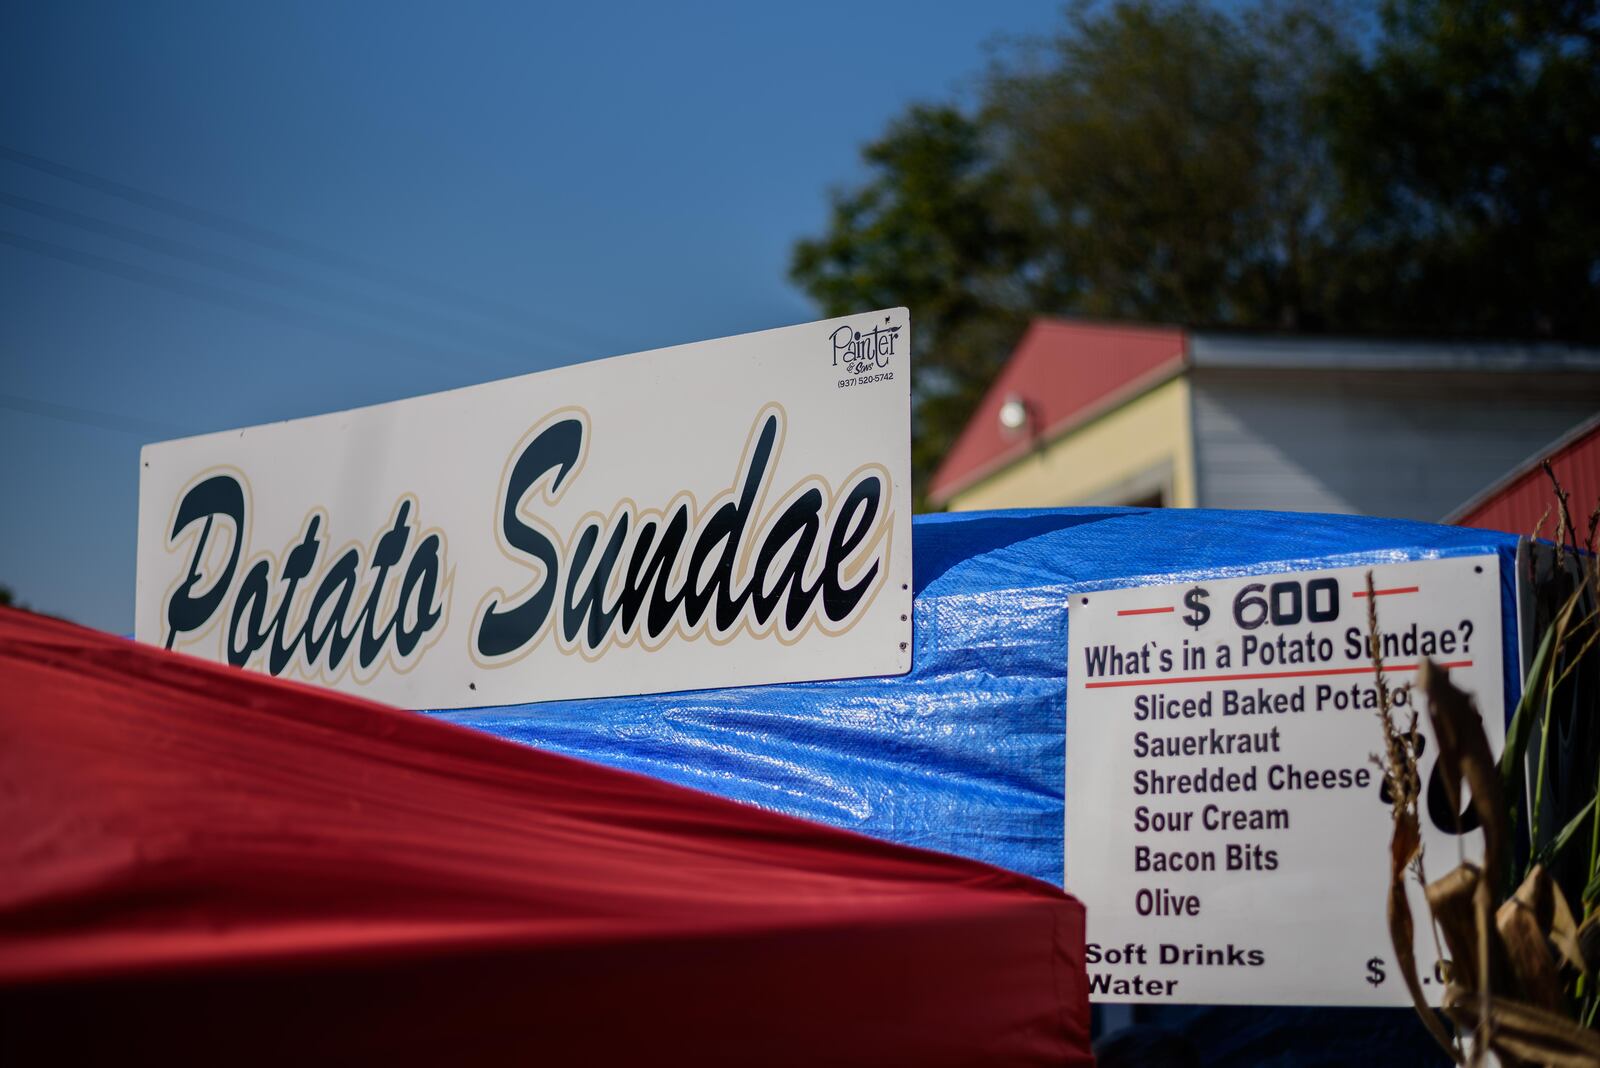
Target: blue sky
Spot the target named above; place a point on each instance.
(216, 215)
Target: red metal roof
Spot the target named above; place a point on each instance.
(1516, 502)
(1065, 373)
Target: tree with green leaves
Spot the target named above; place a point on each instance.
(925, 232)
(1165, 157)
(1468, 144)
(1164, 161)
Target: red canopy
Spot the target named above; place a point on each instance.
(202, 864)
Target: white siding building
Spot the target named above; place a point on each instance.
(1135, 415)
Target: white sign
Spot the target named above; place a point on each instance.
(726, 513)
(1225, 823)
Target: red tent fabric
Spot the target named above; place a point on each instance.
(199, 864)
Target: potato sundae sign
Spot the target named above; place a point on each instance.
(724, 513)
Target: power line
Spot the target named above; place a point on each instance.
(90, 417)
(301, 317)
(251, 271)
(265, 238)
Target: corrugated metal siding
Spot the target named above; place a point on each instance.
(1412, 446)
(1303, 352)
(1518, 506)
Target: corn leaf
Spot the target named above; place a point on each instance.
(1554, 846)
(1512, 760)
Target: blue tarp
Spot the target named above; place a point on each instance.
(966, 754)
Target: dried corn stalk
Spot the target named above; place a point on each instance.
(1511, 960)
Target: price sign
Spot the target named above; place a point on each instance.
(1227, 826)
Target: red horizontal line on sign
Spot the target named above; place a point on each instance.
(1385, 593)
(1265, 675)
(1143, 611)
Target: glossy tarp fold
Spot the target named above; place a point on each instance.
(967, 752)
(200, 864)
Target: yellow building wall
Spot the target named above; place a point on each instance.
(1101, 460)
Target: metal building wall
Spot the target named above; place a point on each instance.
(1411, 445)
(1518, 502)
